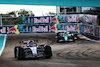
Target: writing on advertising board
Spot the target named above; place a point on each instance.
(71, 28)
(35, 28)
(72, 18)
(52, 24)
(3, 30)
(88, 18)
(41, 20)
(68, 27)
(88, 29)
(40, 29)
(76, 18)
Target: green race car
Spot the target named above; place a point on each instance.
(64, 36)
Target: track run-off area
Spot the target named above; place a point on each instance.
(80, 53)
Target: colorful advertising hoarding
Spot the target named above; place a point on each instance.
(70, 18)
(74, 28)
(50, 24)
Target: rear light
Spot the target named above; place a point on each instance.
(75, 37)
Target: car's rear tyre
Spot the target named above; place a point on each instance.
(48, 52)
(73, 39)
(19, 53)
(58, 37)
(58, 40)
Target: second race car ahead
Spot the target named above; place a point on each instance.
(64, 36)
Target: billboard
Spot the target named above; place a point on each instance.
(76, 23)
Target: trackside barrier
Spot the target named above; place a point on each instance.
(87, 29)
(80, 28)
(71, 27)
(90, 30)
(75, 23)
(18, 29)
(69, 18)
(39, 20)
(2, 42)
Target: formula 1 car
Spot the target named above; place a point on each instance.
(64, 36)
(22, 52)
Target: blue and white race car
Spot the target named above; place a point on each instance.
(32, 50)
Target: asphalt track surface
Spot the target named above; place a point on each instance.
(80, 53)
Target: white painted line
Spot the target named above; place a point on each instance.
(3, 45)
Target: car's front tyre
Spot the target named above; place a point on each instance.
(19, 53)
(48, 52)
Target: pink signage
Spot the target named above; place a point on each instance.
(40, 29)
(71, 28)
(71, 19)
(41, 20)
(3, 30)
